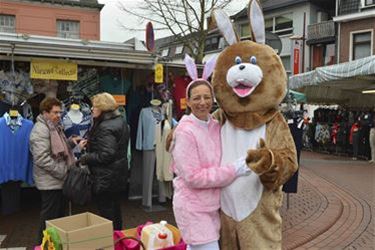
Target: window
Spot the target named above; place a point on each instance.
(211, 43)
(245, 31)
(7, 23)
(67, 29)
(280, 25)
(369, 2)
(179, 49)
(222, 43)
(361, 45)
(286, 62)
(165, 52)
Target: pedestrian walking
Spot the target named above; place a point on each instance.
(372, 140)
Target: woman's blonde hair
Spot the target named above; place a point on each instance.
(104, 101)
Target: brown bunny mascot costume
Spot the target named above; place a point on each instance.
(249, 83)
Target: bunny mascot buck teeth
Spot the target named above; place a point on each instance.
(249, 82)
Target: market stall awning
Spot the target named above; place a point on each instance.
(84, 51)
(298, 96)
(339, 84)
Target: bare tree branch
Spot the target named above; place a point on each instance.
(184, 19)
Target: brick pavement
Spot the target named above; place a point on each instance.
(323, 215)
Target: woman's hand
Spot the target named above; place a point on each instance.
(75, 139)
(82, 144)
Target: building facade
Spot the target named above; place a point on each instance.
(76, 19)
(355, 21)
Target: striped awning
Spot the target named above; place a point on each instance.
(339, 84)
(357, 69)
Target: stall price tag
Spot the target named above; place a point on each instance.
(159, 73)
(183, 103)
(120, 99)
(75, 106)
(13, 113)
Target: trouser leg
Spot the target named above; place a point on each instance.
(52, 207)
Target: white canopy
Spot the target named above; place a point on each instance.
(339, 84)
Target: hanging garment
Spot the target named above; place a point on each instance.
(80, 129)
(163, 158)
(148, 119)
(15, 157)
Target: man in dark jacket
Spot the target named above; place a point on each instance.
(107, 157)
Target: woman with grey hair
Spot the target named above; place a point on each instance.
(106, 157)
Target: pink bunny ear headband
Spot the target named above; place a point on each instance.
(191, 68)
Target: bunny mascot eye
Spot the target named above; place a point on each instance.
(253, 60)
(238, 60)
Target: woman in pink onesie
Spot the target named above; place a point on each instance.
(196, 152)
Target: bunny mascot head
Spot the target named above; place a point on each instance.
(249, 82)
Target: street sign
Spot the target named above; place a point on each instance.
(150, 38)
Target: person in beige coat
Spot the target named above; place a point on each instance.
(52, 155)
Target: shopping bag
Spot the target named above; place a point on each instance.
(78, 184)
(123, 242)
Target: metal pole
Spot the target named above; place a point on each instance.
(303, 42)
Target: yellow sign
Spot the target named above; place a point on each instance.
(120, 99)
(53, 70)
(183, 103)
(159, 73)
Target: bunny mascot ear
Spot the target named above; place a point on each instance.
(256, 22)
(209, 67)
(191, 67)
(225, 26)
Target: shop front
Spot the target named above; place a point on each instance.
(345, 114)
(33, 67)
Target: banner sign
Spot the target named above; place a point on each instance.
(158, 73)
(297, 57)
(53, 70)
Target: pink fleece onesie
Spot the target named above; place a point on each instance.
(199, 178)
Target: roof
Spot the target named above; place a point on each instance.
(269, 5)
(79, 3)
(55, 47)
(340, 83)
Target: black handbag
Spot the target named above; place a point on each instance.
(78, 184)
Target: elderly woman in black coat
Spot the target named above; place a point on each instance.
(107, 157)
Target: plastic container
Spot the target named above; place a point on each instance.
(157, 236)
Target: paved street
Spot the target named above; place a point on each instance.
(333, 208)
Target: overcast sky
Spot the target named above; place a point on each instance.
(111, 16)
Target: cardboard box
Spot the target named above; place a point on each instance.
(84, 231)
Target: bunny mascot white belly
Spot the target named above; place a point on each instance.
(249, 82)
